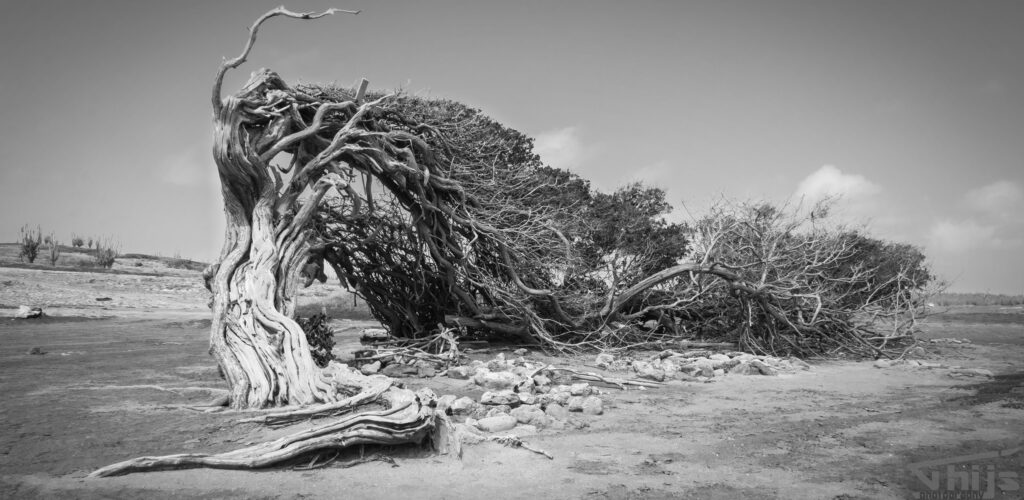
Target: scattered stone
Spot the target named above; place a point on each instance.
(743, 369)
(36, 351)
(370, 368)
(497, 365)
(541, 380)
(561, 398)
(26, 312)
(528, 398)
(519, 352)
(495, 381)
(531, 415)
(556, 411)
(526, 430)
(398, 370)
(882, 363)
(799, 363)
(581, 389)
(917, 352)
(103, 299)
(592, 405)
(650, 324)
(372, 334)
(763, 367)
(495, 411)
(718, 372)
(497, 424)
(575, 404)
(505, 397)
(445, 402)
(425, 371)
(604, 360)
(647, 371)
(460, 372)
(463, 406)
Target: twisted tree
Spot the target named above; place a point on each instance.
(437, 215)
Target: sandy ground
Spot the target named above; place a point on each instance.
(116, 373)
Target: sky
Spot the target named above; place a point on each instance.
(911, 112)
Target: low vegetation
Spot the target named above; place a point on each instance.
(29, 242)
(53, 251)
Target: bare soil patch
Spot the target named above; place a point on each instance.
(115, 387)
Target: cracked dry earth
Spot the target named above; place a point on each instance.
(112, 387)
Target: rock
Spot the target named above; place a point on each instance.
(463, 406)
(799, 363)
(460, 372)
(581, 389)
(647, 371)
(719, 372)
(650, 324)
(883, 363)
(398, 370)
(498, 364)
(480, 411)
(541, 380)
(495, 411)
(743, 369)
(719, 357)
(26, 312)
(604, 360)
(527, 398)
(370, 368)
(373, 334)
(592, 405)
(561, 398)
(505, 397)
(575, 403)
(531, 415)
(425, 371)
(556, 411)
(519, 352)
(496, 381)
(496, 424)
(763, 367)
(36, 351)
(445, 402)
(917, 352)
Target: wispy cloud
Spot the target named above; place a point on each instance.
(991, 224)
(560, 148)
(1001, 199)
(830, 182)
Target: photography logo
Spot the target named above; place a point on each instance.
(964, 478)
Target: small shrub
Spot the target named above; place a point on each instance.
(54, 251)
(320, 337)
(90, 242)
(106, 253)
(29, 243)
(77, 241)
(48, 240)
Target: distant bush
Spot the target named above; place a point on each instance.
(191, 265)
(77, 241)
(29, 243)
(106, 253)
(53, 253)
(90, 242)
(320, 337)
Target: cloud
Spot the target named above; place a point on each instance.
(1000, 199)
(961, 236)
(560, 148)
(830, 182)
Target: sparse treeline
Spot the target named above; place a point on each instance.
(103, 251)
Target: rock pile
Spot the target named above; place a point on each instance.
(524, 394)
(700, 365)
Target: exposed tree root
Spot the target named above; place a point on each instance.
(621, 383)
(406, 418)
(516, 442)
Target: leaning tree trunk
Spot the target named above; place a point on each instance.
(261, 349)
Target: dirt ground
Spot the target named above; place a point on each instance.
(116, 373)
